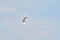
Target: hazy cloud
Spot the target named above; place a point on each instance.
(7, 9)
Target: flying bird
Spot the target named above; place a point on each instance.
(24, 19)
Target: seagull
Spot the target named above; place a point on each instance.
(24, 19)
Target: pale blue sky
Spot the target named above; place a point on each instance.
(43, 20)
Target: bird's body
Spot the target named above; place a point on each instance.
(24, 19)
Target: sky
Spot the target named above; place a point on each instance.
(43, 21)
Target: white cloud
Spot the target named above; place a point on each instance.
(7, 9)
